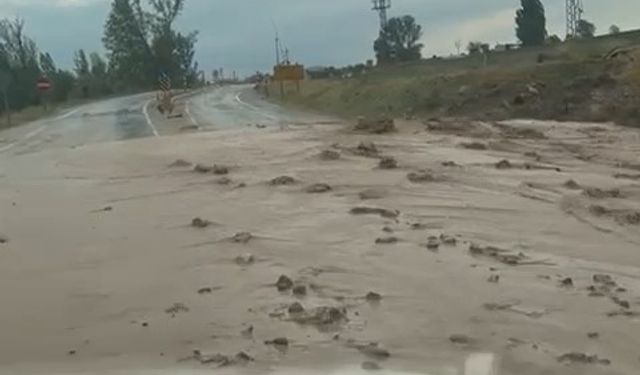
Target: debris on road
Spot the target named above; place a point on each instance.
(329, 155)
(201, 168)
(461, 339)
(375, 211)
(421, 177)
(200, 223)
(388, 162)
(367, 149)
(180, 163)
(296, 308)
(387, 240)
(582, 358)
(176, 308)
(318, 188)
(242, 237)
(494, 279)
(220, 169)
(375, 126)
(245, 260)
(371, 194)
(284, 283)
(504, 164)
(373, 350)
(283, 181)
(474, 146)
(299, 290)
(280, 341)
(373, 297)
(370, 366)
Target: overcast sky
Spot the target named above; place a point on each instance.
(238, 34)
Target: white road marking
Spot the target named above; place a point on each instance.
(25, 138)
(145, 111)
(253, 107)
(186, 107)
(67, 115)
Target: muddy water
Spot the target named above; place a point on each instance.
(490, 260)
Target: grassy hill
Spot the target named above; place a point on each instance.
(594, 79)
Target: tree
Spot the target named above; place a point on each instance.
(585, 29)
(458, 45)
(399, 41)
(142, 44)
(47, 65)
(531, 23)
(614, 29)
(475, 48)
(81, 63)
(98, 66)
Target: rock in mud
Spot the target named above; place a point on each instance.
(433, 243)
(200, 223)
(284, 283)
(596, 193)
(371, 194)
(176, 308)
(283, 181)
(201, 168)
(245, 260)
(567, 282)
(299, 290)
(375, 211)
(598, 210)
(4, 239)
(504, 164)
(370, 366)
(329, 155)
(373, 297)
(593, 335)
(206, 290)
(604, 279)
(449, 164)
(318, 188)
(180, 163)
(322, 316)
(367, 149)
(224, 181)
(494, 279)
(222, 360)
(374, 350)
(582, 358)
(421, 177)
(474, 146)
(448, 240)
(386, 241)
(387, 230)
(280, 341)
(571, 184)
(376, 126)
(220, 170)
(631, 218)
(247, 332)
(461, 339)
(242, 237)
(296, 308)
(620, 302)
(500, 255)
(388, 163)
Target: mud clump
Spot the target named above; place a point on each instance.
(201, 168)
(494, 279)
(322, 317)
(566, 282)
(3, 239)
(220, 170)
(296, 308)
(433, 243)
(375, 126)
(371, 194)
(387, 241)
(200, 223)
(627, 176)
(448, 240)
(388, 163)
(421, 177)
(598, 210)
(582, 358)
(474, 146)
(460, 339)
(596, 193)
(280, 341)
(318, 188)
(284, 283)
(329, 155)
(375, 211)
(206, 290)
(283, 181)
(571, 184)
(222, 360)
(245, 260)
(503, 256)
(176, 308)
(373, 297)
(373, 350)
(180, 163)
(631, 218)
(299, 290)
(224, 181)
(504, 164)
(367, 149)
(604, 279)
(370, 366)
(242, 237)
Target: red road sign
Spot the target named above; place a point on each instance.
(44, 84)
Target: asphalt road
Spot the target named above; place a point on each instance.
(134, 116)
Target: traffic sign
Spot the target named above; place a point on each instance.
(44, 84)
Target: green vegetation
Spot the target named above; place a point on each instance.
(531, 23)
(141, 44)
(585, 29)
(399, 41)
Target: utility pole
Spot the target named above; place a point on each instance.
(575, 9)
(381, 6)
(277, 49)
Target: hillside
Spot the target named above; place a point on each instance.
(594, 80)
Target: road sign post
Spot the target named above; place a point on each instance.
(288, 72)
(5, 81)
(44, 86)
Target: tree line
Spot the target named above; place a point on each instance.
(141, 44)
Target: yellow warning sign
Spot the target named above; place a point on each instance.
(288, 73)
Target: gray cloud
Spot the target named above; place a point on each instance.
(238, 34)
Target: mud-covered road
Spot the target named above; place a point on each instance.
(447, 247)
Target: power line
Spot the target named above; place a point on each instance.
(381, 6)
(575, 9)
